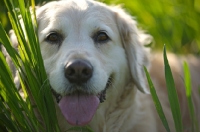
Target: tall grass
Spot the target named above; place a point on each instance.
(18, 114)
(173, 97)
(156, 101)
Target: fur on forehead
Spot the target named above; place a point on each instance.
(80, 8)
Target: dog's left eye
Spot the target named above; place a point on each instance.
(101, 37)
(54, 38)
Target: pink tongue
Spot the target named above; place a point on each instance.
(79, 109)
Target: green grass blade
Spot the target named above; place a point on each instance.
(4, 39)
(9, 93)
(32, 76)
(172, 95)
(6, 120)
(156, 101)
(188, 87)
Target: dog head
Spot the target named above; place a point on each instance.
(87, 48)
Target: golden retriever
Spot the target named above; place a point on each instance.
(94, 57)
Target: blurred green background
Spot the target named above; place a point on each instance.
(175, 23)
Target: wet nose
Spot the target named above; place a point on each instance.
(78, 71)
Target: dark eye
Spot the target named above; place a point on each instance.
(54, 38)
(101, 37)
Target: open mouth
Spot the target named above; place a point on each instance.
(79, 108)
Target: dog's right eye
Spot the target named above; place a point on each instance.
(54, 38)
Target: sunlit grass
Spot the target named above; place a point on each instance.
(17, 114)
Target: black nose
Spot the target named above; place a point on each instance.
(78, 71)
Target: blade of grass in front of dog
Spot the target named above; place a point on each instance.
(12, 100)
(172, 95)
(5, 119)
(6, 122)
(156, 101)
(34, 73)
(188, 87)
(41, 98)
(32, 67)
(45, 92)
(4, 39)
(7, 88)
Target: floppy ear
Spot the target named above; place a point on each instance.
(136, 53)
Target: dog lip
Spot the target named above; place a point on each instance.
(101, 95)
(56, 95)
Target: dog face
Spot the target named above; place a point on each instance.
(88, 48)
(77, 36)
